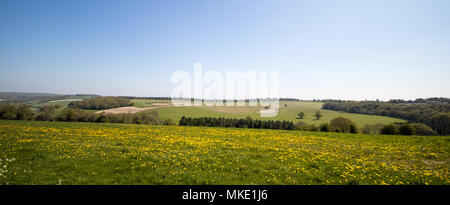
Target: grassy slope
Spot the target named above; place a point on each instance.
(91, 153)
(286, 113)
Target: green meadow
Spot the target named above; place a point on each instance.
(36, 152)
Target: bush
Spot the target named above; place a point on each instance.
(302, 126)
(313, 128)
(115, 118)
(406, 129)
(422, 129)
(340, 124)
(146, 118)
(372, 129)
(353, 129)
(102, 118)
(24, 112)
(169, 122)
(325, 127)
(390, 130)
(15, 112)
(46, 113)
(76, 115)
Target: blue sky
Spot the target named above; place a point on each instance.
(323, 49)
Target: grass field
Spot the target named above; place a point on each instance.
(94, 153)
(286, 113)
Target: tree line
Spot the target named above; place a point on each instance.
(344, 125)
(338, 124)
(434, 115)
(399, 129)
(237, 123)
(101, 103)
(48, 113)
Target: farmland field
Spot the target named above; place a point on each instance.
(100, 153)
(288, 109)
(286, 113)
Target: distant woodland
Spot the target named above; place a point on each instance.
(434, 112)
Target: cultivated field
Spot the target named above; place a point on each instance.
(131, 109)
(35, 152)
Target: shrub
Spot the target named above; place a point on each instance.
(353, 129)
(7, 111)
(389, 130)
(169, 122)
(422, 129)
(302, 126)
(146, 118)
(325, 127)
(372, 129)
(15, 112)
(340, 124)
(313, 128)
(76, 115)
(102, 118)
(24, 112)
(46, 113)
(406, 129)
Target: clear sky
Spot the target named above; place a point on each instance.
(361, 49)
